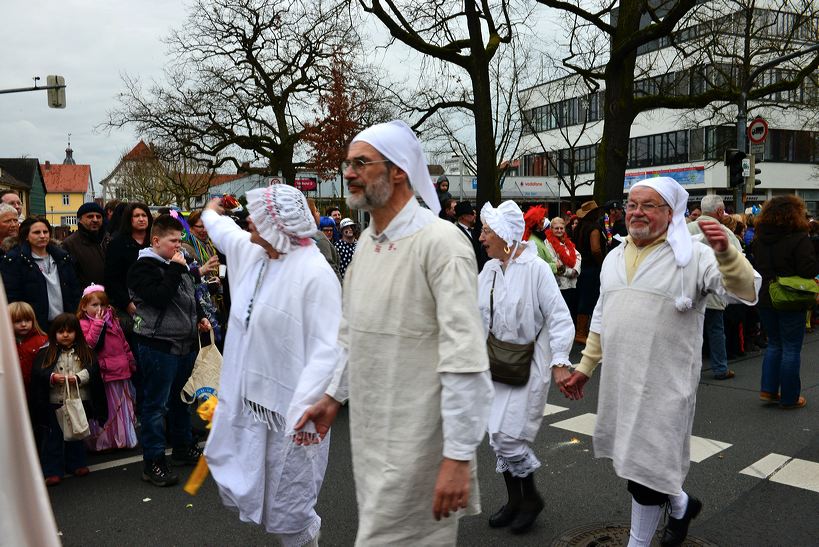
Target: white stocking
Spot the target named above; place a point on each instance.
(679, 504)
(644, 521)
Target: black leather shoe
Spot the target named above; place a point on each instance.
(529, 510)
(503, 516)
(677, 529)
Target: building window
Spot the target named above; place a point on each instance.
(66, 199)
(68, 221)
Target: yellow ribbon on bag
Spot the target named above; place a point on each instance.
(200, 472)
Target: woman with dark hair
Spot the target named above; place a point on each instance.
(39, 272)
(782, 248)
(590, 242)
(134, 235)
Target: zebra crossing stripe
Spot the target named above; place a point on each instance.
(786, 470)
(553, 409)
(701, 448)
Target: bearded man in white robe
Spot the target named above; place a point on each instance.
(647, 329)
(413, 357)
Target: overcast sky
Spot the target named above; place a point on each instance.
(89, 43)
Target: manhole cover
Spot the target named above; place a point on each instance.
(611, 534)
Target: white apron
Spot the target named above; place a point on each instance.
(652, 358)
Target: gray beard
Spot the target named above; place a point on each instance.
(375, 195)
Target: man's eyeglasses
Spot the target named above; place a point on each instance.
(647, 208)
(197, 226)
(358, 164)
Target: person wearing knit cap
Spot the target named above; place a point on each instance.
(516, 279)
(85, 244)
(535, 221)
(411, 356)
(647, 327)
(286, 303)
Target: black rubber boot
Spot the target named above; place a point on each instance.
(506, 514)
(531, 505)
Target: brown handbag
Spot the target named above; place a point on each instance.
(509, 363)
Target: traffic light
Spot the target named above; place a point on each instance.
(56, 91)
(750, 179)
(733, 160)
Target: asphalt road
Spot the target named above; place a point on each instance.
(778, 507)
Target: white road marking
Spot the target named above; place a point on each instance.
(583, 424)
(786, 470)
(701, 448)
(799, 473)
(766, 467)
(119, 463)
(553, 409)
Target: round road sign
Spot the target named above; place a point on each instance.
(758, 130)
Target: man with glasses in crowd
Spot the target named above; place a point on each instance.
(647, 327)
(412, 351)
(10, 197)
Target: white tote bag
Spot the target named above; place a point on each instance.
(71, 416)
(204, 380)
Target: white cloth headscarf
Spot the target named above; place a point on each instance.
(506, 220)
(677, 198)
(399, 144)
(282, 216)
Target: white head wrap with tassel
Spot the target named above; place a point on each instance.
(677, 236)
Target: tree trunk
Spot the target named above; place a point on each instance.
(487, 166)
(612, 153)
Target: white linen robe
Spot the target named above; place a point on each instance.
(652, 358)
(528, 304)
(292, 334)
(410, 319)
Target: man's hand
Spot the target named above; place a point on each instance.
(216, 205)
(451, 488)
(714, 234)
(322, 414)
(204, 325)
(573, 388)
(131, 309)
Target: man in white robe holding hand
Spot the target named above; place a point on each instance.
(647, 329)
(413, 357)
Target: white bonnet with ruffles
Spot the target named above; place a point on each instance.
(282, 216)
(506, 220)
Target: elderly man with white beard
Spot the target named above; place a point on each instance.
(413, 354)
(647, 329)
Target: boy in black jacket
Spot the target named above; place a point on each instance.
(166, 326)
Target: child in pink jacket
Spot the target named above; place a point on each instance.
(105, 336)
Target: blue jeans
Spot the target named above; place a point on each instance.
(163, 377)
(56, 455)
(780, 366)
(715, 331)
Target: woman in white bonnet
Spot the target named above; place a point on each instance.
(279, 358)
(527, 307)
